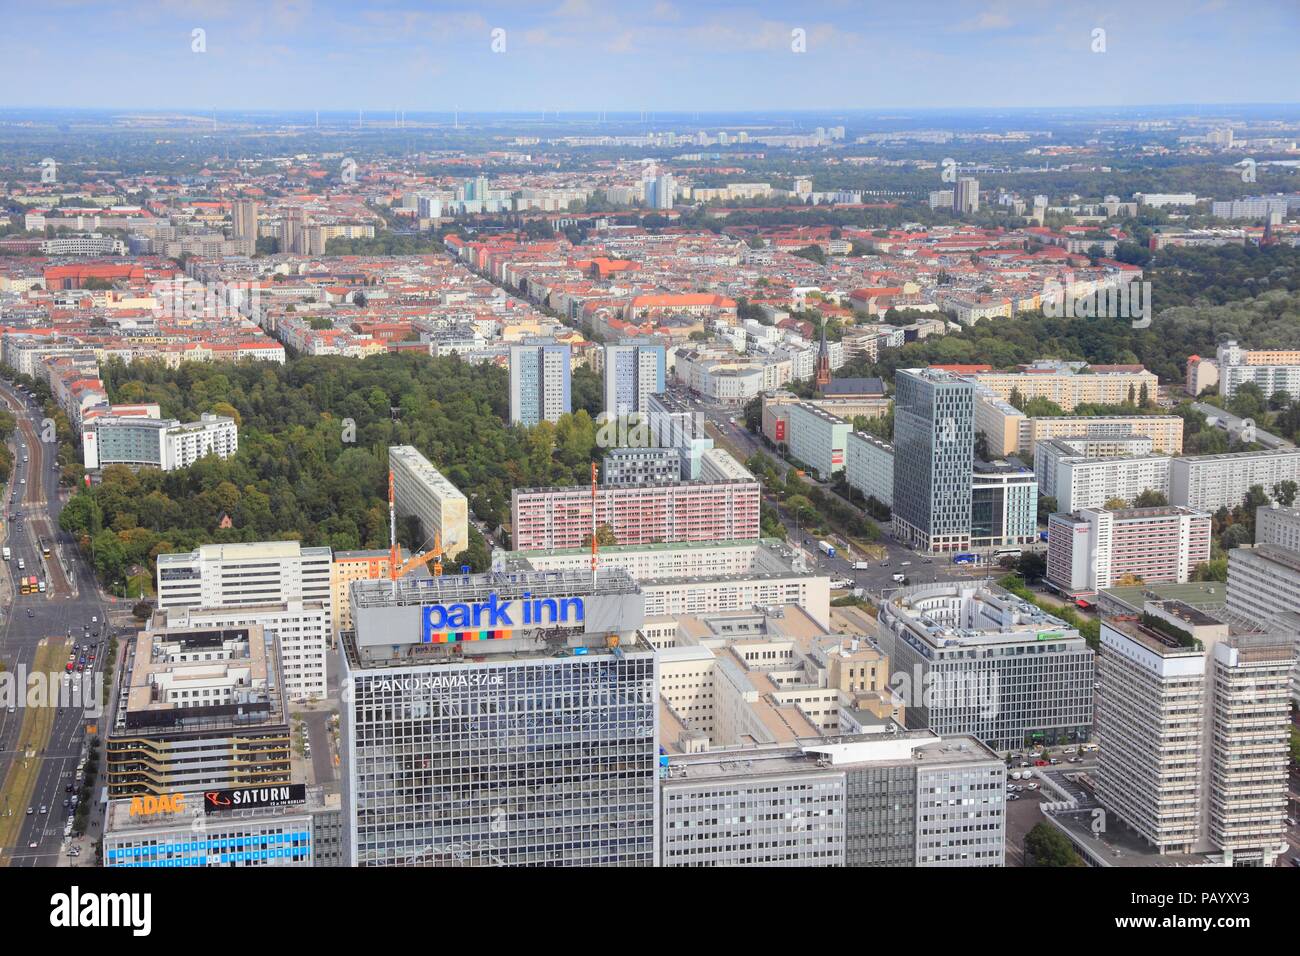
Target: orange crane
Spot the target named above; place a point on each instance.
(396, 566)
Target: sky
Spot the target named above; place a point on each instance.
(571, 55)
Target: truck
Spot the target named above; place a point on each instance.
(857, 565)
(900, 578)
(826, 548)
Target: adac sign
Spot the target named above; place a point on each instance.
(495, 619)
(147, 805)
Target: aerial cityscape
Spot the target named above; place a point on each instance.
(651, 435)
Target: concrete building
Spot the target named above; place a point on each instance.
(539, 382)
(684, 511)
(539, 745)
(1071, 471)
(622, 467)
(633, 372)
(674, 424)
(349, 566)
(165, 443)
(1068, 386)
(1277, 525)
(1273, 370)
(817, 439)
(870, 800)
(197, 708)
(1004, 506)
(1093, 548)
(1194, 733)
(869, 467)
(421, 491)
(683, 578)
(966, 196)
(1211, 482)
(973, 659)
(279, 584)
(288, 825)
(934, 445)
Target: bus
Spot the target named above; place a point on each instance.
(45, 547)
(1002, 553)
(966, 557)
(26, 587)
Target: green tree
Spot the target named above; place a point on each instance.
(1047, 846)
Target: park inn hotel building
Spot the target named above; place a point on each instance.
(500, 719)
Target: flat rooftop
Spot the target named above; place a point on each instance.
(901, 748)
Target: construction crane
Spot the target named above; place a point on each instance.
(396, 566)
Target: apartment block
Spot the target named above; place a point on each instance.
(540, 385)
(1068, 387)
(165, 443)
(633, 372)
(1071, 471)
(684, 511)
(869, 467)
(1211, 482)
(1094, 548)
(420, 490)
(817, 439)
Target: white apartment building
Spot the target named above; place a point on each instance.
(420, 490)
(869, 467)
(1277, 525)
(166, 444)
(1211, 482)
(1069, 472)
(1194, 731)
(292, 580)
(817, 438)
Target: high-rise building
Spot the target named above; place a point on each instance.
(934, 446)
(494, 720)
(539, 382)
(1094, 548)
(280, 584)
(974, 659)
(817, 438)
(633, 372)
(1193, 730)
(243, 217)
(421, 491)
(292, 232)
(198, 708)
(966, 196)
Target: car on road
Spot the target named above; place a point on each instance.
(30, 811)
(31, 613)
(1041, 763)
(44, 808)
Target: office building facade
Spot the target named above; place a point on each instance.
(934, 445)
(532, 742)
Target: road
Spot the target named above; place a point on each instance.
(59, 615)
(879, 576)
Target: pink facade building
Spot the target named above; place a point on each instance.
(685, 511)
(1093, 548)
